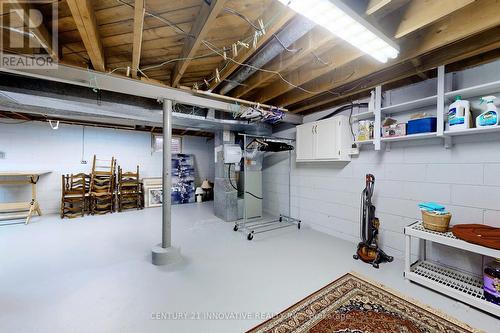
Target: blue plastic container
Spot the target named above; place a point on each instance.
(424, 125)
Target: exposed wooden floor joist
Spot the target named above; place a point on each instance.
(85, 20)
(206, 17)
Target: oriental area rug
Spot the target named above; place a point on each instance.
(353, 304)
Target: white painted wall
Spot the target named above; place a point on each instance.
(203, 151)
(34, 146)
(465, 178)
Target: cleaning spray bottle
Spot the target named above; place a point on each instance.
(459, 114)
(490, 117)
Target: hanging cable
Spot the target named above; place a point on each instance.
(344, 108)
(257, 28)
(278, 74)
(231, 182)
(83, 143)
(320, 60)
(227, 58)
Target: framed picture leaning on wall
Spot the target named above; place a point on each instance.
(154, 197)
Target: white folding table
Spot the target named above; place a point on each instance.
(21, 210)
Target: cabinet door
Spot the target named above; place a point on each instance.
(327, 145)
(305, 141)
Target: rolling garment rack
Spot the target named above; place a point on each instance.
(260, 224)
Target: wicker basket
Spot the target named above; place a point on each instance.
(436, 222)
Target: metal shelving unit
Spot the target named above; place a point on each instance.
(462, 286)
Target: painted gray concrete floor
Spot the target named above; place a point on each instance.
(94, 274)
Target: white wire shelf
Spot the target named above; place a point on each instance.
(418, 136)
(469, 131)
(447, 238)
(465, 287)
(410, 105)
(363, 115)
(474, 91)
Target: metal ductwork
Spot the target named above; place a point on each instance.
(297, 28)
(120, 114)
(72, 83)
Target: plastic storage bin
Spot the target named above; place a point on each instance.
(424, 125)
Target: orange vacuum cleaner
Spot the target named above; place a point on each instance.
(368, 249)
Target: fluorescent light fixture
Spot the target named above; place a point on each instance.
(345, 23)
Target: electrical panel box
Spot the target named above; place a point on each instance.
(324, 140)
(232, 154)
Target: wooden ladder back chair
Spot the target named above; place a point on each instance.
(74, 195)
(129, 193)
(102, 186)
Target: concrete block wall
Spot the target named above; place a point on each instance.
(34, 146)
(326, 196)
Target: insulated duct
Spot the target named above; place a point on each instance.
(297, 28)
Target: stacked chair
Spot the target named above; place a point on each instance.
(75, 195)
(102, 186)
(129, 194)
(101, 192)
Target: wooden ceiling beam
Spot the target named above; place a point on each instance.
(40, 32)
(380, 8)
(139, 11)
(477, 17)
(312, 41)
(376, 5)
(342, 54)
(84, 16)
(206, 17)
(278, 15)
(482, 43)
(421, 13)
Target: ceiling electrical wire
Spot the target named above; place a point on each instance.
(206, 43)
(221, 52)
(320, 59)
(281, 76)
(235, 12)
(164, 20)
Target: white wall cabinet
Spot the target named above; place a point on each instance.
(324, 140)
(305, 141)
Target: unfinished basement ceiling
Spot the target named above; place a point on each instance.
(181, 43)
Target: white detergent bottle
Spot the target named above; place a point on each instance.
(490, 117)
(459, 114)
